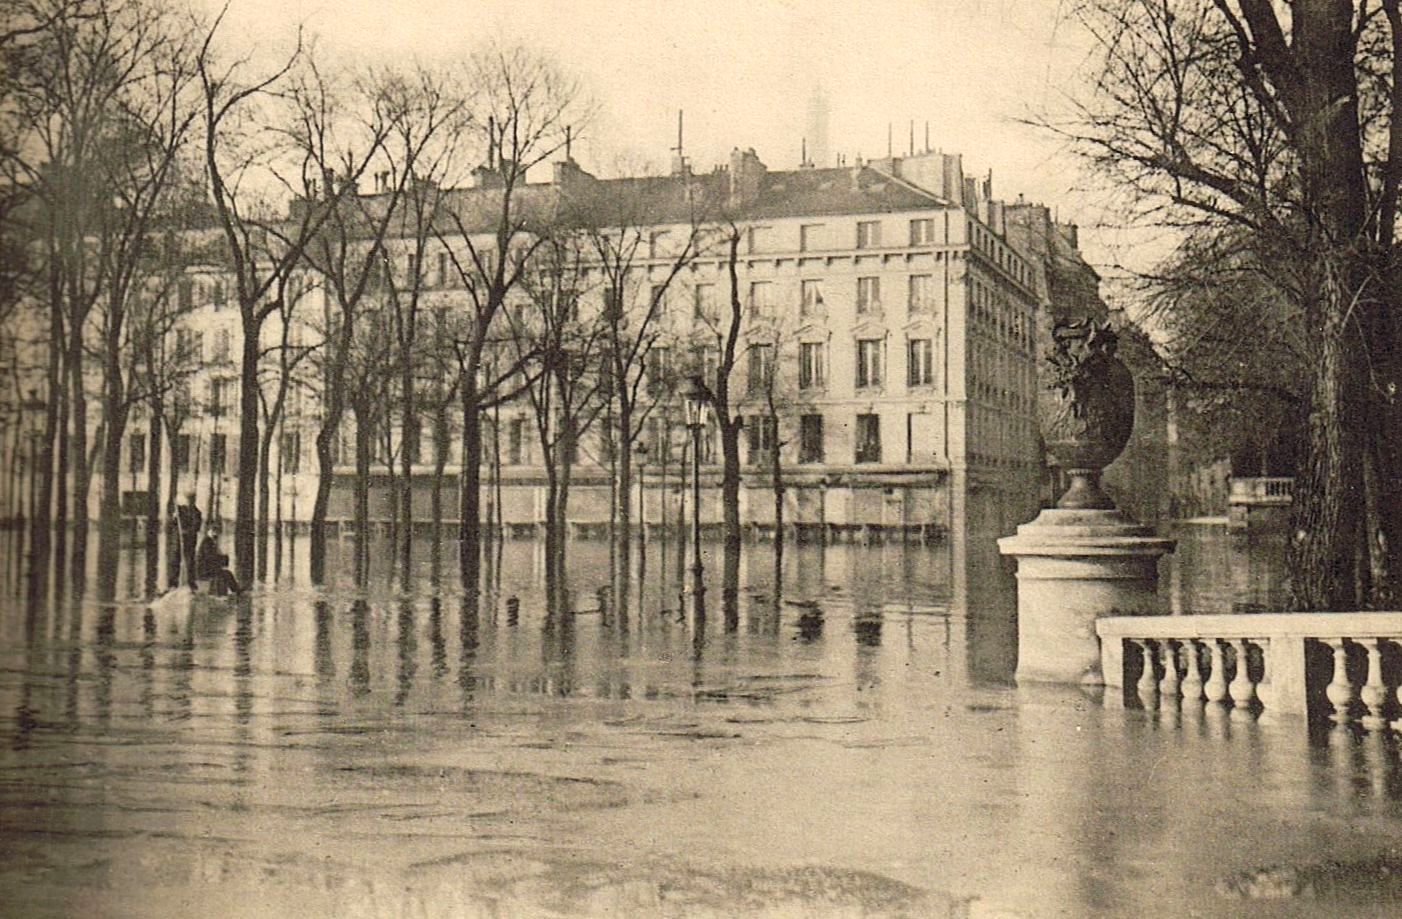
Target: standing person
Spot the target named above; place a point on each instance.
(189, 520)
(213, 567)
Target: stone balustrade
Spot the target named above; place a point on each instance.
(1276, 662)
(1262, 490)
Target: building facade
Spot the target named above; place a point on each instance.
(891, 314)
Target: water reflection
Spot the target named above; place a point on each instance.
(850, 744)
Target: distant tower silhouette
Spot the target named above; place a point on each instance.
(816, 128)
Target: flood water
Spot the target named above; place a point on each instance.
(855, 747)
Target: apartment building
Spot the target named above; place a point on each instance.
(890, 307)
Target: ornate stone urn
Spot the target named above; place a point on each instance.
(1082, 559)
(1086, 408)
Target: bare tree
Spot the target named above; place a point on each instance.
(417, 117)
(561, 348)
(641, 234)
(288, 122)
(530, 109)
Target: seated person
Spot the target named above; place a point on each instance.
(213, 566)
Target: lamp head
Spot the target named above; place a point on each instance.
(696, 399)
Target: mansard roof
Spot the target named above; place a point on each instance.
(677, 199)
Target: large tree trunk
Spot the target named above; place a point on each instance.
(1326, 517)
(264, 499)
(320, 503)
(364, 432)
(109, 536)
(154, 456)
(730, 502)
(1329, 528)
(63, 464)
(408, 454)
(470, 479)
(78, 415)
(435, 497)
(623, 507)
(244, 523)
(325, 463)
(41, 523)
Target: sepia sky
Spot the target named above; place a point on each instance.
(745, 72)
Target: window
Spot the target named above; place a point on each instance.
(919, 362)
(218, 402)
(515, 441)
(412, 435)
(290, 451)
(704, 301)
(811, 237)
(922, 293)
(658, 295)
(221, 345)
(868, 234)
(186, 291)
(218, 448)
(758, 239)
(659, 442)
(811, 372)
(218, 295)
(411, 269)
(812, 298)
(708, 443)
(442, 269)
(761, 367)
(657, 244)
(183, 402)
(137, 456)
(868, 295)
(868, 439)
(868, 362)
(182, 453)
(761, 298)
(922, 232)
(659, 369)
(189, 345)
(810, 439)
(760, 432)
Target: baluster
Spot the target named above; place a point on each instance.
(1192, 680)
(1168, 685)
(1374, 693)
(1216, 686)
(1397, 724)
(1265, 690)
(1147, 686)
(1242, 689)
(1339, 691)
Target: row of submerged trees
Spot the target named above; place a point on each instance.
(137, 145)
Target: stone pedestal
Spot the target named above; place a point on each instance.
(1075, 566)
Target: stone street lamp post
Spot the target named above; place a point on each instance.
(696, 399)
(642, 451)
